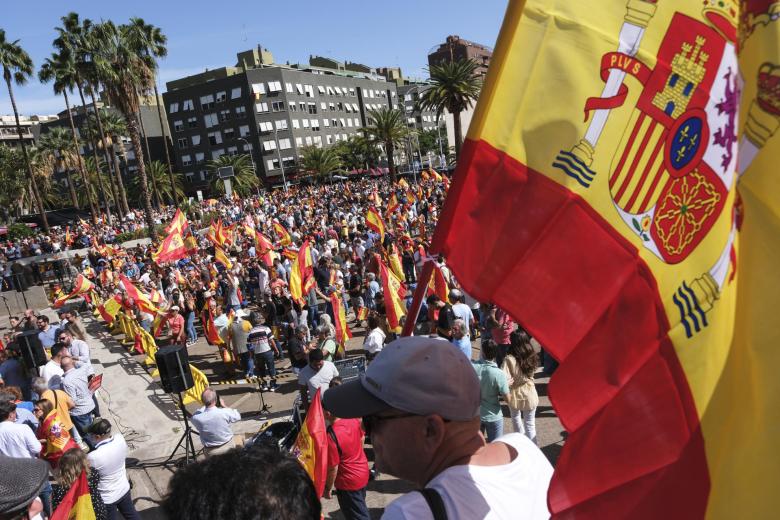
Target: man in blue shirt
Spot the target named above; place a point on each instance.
(493, 385)
(48, 333)
(459, 337)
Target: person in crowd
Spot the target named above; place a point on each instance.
(297, 349)
(260, 340)
(108, 459)
(61, 402)
(22, 482)
(52, 434)
(500, 326)
(459, 337)
(47, 333)
(493, 386)
(12, 373)
(72, 464)
(16, 440)
(424, 424)
(52, 371)
(74, 325)
(317, 374)
(519, 367)
(213, 422)
(375, 339)
(77, 349)
(347, 464)
(259, 482)
(24, 415)
(462, 311)
(175, 323)
(239, 334)
(326, 343)
(76, 384)
(190, 308)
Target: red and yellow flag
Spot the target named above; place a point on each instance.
(110, 308)
(403, 184)
(647, 234)
(393, 293)
(394, 261)
(340, 319)
(374, 221)
(362, 314)
(142, 301)
(178, 223)
(68, 237)
(311, 445)
(81, 286)
(282, 234)
(221, 257)
(392, 204)
(265, 248)
(302, 274)
(171, 249)
(77, 503)
(216, 233)
(438, 284)
(209, 329)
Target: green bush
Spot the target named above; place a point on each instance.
(18, 231)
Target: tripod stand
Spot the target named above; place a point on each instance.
(186, 438)
(265, 409)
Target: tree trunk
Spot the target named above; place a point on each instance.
(120, 183)
(138, 153)
(82, 169)
(72, 189)
(36, 195)
(390, 160)
(95, 155)
(106, 154)
(458, 131)
(135, 138)
(174, 195)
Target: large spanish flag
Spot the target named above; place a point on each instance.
(302, 274)
(311, 445)
(178, 223)
(81, 286)
(282, 234)
(340, 319)
(77, 502)
(171, 249)
(374, 221)
(393, 293)
(634, 245)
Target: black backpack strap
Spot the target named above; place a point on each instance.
(335, 440)
(435, 502)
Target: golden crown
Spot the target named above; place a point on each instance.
(769, 88)
(724, 16)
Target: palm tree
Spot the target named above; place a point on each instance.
(454, 88)
(58, 143)
(245, 180)
(61, 68)
(149, 41)
(114, 127)
(17, 68)
(96, 177)
(13, 181)
(319, 162)
(123, 72)
(157, 172)
(387, 128)
(43, 163)
(357, 152)
(72, 40)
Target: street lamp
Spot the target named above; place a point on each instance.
(251, 158)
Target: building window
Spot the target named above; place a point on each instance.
(190, 176)
(334, 122)
(247, 147)
(207, 102)
(258, 89)
(235, 93)
(289, 88)
(266, 126)
(302, 106)
(224, 115)
(229, 133)
(305, 123)
(309, 90)
(243, 130)
(273, 164)
(188, 105)
(269, 145)
(342, 123)
(183, 142)
(318, 141)
(292, 107)
(186, 160)
(288, 161)
(195, 140)
(202, 174)
(315, 125)
(240, 112)
(357, 122)
(210, 120)
(232, 150)
(299, 88)
(215, 138)
(173, 108)
(221, 97)
(299, 141)
(308, 140)
(326, 122)
(355, 107)
(323, 106)
(261, 107)
(284, 144)
(349, 122)
(192, 122)
(216, 154)
(277, 106)
(328, 139)
(338, 90)
(321, 90)
(312, 108)
(199, 158)
(274, 86)
(281, 124)
(178, 126)
(330, 90)
(352, 91)
(332, 106)
(296, 124)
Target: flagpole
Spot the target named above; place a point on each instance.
(419, 294)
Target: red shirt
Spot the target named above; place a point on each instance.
(352, 463)
(176, 323)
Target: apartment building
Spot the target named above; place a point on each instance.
(456, 48)
(31, 128)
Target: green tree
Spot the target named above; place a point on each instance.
(454, 88)
(429, 141)
(13, 182)
(58, 143)
(387, 128)
(320, 162)
(61, 69)
(115, 127)
(157, 171)
(357, 152)
(97, 176)
(17, 69)
(245, 181)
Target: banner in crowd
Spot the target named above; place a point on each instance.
(617, 193)
(77, 502)
(311, 445)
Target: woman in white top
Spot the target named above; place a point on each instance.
(520, 366)
(375, 339)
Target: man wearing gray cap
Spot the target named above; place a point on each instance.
(420, 402)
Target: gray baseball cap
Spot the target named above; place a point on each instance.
(419, 375)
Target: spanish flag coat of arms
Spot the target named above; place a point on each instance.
(619, 197)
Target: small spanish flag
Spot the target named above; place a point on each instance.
(178, 223)
(362, 314)
(221, 257)
(340, 319)
(374, 221)
(81, 286)
(393, 293)
(77, 503)
(281, 232)
(171, 249)
(110, 308)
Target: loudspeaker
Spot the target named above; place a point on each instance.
(31, 349)
(174, 366)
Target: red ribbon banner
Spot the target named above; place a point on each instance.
(629, 65)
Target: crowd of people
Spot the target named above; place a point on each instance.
(236, 287)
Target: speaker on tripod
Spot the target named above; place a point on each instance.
(31, 349)
(174, 366)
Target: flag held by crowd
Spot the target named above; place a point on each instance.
(282, 234)
(393, 293)
(340, 319)
(81, 286)
(302, 274)
(171, 249)
(110, 308)
(311, 445)
(77, 502)
(374, 221)
(614, 242)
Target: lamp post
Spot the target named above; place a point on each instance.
(279, 155)
(251, 158)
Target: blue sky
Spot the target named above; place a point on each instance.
(207, 34)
